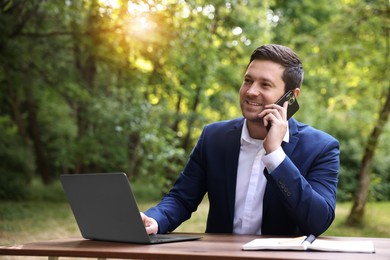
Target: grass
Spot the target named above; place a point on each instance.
(39, 220)
(23, 222)
(377, 221)
(45, 217)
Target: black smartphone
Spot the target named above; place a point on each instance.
(293, 105)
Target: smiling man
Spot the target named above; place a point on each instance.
(263, 173)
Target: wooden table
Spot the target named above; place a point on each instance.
(209, 247)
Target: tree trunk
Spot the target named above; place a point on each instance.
(42, 163)
(191, 120)
(133, 152)
(175, 125)
(15, 104)
(356, 216)
(85, 63)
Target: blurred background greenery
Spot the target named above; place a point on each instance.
(126, 86)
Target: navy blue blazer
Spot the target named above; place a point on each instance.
(300, 195)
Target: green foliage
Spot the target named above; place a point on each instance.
(16, 164)
(344, 48)
(92, 87)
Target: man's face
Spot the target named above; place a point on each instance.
(262, 85)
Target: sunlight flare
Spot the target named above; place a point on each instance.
(138, 21)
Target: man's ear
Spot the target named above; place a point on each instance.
(297, 91)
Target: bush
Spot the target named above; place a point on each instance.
(16, 162)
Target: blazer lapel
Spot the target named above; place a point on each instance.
(232, 152)
(289, 147)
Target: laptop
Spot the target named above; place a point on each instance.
(105, 208)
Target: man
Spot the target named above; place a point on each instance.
(280, 181)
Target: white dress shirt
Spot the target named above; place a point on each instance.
(251, 182)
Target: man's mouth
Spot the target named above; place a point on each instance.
(253, 103)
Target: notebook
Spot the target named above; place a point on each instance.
(105, 209)
(327, 244)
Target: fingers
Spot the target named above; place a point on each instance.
(151, 225)
(273, 113)
(277, 117)
(276, 111)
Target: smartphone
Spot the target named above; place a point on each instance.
(293, 105)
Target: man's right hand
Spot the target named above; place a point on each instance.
(150, 224)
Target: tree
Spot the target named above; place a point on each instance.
(356, 216)
(345, 50)
(99, 85)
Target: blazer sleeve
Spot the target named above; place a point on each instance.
(211, 168)
(185, 196)
(306, 181)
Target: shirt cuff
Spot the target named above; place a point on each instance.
(273, 160)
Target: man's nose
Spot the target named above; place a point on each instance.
(254, 90)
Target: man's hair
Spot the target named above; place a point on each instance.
(293, 72)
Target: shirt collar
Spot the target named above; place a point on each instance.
(245, 137)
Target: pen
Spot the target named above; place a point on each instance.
(309, 239)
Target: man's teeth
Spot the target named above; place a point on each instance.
(253, 103)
